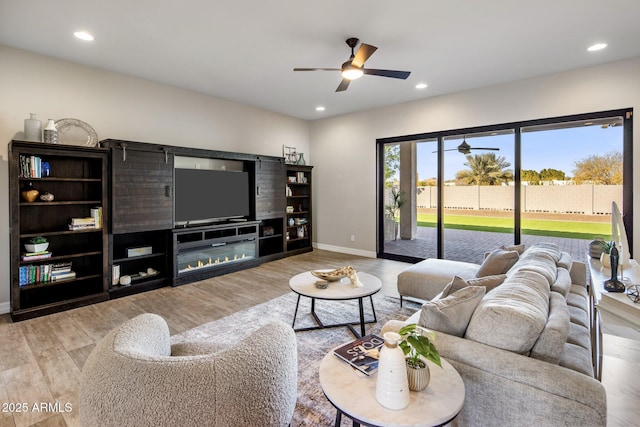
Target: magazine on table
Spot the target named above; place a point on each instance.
(362, 353)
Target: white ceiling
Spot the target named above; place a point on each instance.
(245, 50)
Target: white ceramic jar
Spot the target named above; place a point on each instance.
(392, 385)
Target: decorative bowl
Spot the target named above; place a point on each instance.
(36, 247)
(328, 275)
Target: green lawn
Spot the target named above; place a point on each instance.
(567, 229)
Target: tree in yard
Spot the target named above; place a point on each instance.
(600, 169)
(429, 182)
(485, 169)
(549, 174)
(391, 163)
(531, 176)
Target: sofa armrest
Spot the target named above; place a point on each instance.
(504, 388)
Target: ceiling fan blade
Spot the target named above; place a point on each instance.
(449, 149)
(364, 52)
(316, 69)
(387, 73)
(484, 148)
(344, 84)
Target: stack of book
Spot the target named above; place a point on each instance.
(93, 221)
(30, 167)
(82, 223)
(34, 256)
(30, 274)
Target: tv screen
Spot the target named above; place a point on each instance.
(203, 195)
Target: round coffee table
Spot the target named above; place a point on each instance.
(303, 284)
(354, 394)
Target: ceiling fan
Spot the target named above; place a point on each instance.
(465, 148)
(354, 67)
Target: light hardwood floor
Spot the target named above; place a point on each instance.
(41, 359)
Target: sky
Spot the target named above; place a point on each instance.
(551, 149)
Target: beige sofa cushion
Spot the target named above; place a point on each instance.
(489, 282)
(550, 344)
(498, 261)
(539, 261)
(513, 315)
(451, 314)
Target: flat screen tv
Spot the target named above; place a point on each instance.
(203, 195)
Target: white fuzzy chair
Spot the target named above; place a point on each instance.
(132, 379)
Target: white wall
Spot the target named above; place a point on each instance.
(124, 107)
(344, 149)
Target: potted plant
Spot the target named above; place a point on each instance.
(598, 247)
(36, 244)
(392, 214)
(417, 346)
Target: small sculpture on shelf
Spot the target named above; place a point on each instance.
(613, 284)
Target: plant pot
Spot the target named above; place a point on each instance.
(418, 377)
(390, 229)
(36, 247)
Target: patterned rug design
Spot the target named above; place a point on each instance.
(312, 408)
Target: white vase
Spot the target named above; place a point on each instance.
(605, 260)
(392, 385)
(51, 133)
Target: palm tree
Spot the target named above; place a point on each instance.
(485, 169)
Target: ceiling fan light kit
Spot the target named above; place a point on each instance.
(354, 68)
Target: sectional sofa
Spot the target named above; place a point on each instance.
(522, 332)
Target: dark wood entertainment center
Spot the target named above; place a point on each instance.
(133, 183)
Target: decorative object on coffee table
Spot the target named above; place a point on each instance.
(415, 344)
(392, 385)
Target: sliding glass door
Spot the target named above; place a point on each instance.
(456, 194)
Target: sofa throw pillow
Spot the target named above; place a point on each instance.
(451, 315)
(498, 261)
(489, 282)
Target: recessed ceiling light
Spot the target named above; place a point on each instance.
(319, 108)
(83, 35)
(421, 86)
(597, 46)
(588, 123)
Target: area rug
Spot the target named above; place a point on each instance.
(312, 408)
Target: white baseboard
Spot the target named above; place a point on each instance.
(5, 307)
(344, 250)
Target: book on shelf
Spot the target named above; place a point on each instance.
(362, 353)
(96, 214)
(30, 167)
(43, 273)
(32, 256)
(64, 276)
(83, 221)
